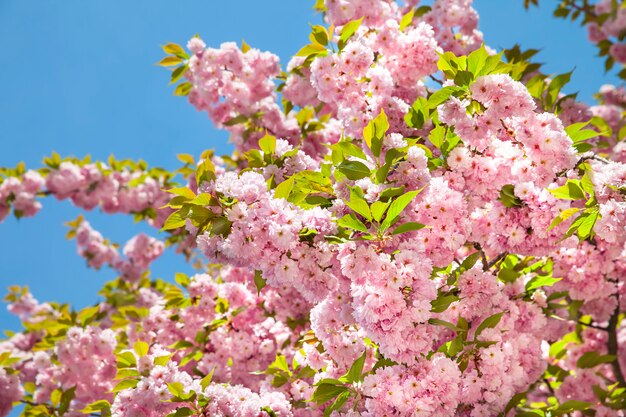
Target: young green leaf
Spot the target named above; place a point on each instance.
(259, 281)
(593, 359)
(141, 348)
(350, 221)
(398, 205)
(326, 392)
(508, 197)
(347, 31)
(489, 322)
(407, 227)
(284, 188)
(354, 374)
(374, 132)
(570, 191)
(267, 144)
(354, 170)
(359, 205)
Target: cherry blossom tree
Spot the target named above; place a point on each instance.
(412, 224)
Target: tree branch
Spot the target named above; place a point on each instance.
(612, 345)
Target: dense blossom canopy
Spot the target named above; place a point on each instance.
(412, 224)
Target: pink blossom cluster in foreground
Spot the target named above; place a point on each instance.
(412, 224)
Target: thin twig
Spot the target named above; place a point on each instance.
(612, 345)
(495, 261)
(436, 80)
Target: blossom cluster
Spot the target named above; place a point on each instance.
(140, 251)
(117, 187)
(416, 229)
(610, 30)
(21, 194)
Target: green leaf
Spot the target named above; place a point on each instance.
(570, 191)
(564, 215)
(181, 412)
(326, 392)
(242, 118)
(267, 144)
(407, 227)
(463, 78)
(87, 315)
(183, 89)
(182, 279)
(359, 205)
(573, 405)
(162, 360)
(180, 344)
(176, 389)
(221, 226)
(259, 281)
(541, 281)
(183, 192)
(446, 324)
(350, 221)
(378, 208)
(437, 136)
(593, 359)
(186, 158)
(338, 403)
(178, 73)
(125, 384)
(319, 35)
(102, 406)
(66, 399)
(407, 19)
(442, 95)
(586, 184)
(312, 49)
(204, 383)
(269, 411)
(449, 64)
(347, 31)
(354, 170)
(442, 302)
(244, 46)
(374, 132)
(585, 228)
(578, 134)
(126, 360)
(398, 205)
(417, 114)
(455, 346)
(170, 61)
(348, 148)
(141, 348)
(554, 88)
(391, 192)
(174, 49)
(477, 60)
(281, 363)
(284, 188)
(508, 197)
(536, 86)
(355, 372)
(489, 322)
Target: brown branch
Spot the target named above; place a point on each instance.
(612, 345)
(438, 81)
(593, 326)
(587, 156)
(494, 261)
(482, 253)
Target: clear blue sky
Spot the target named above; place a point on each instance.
(78, 77)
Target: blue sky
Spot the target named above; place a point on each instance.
(78, 77)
